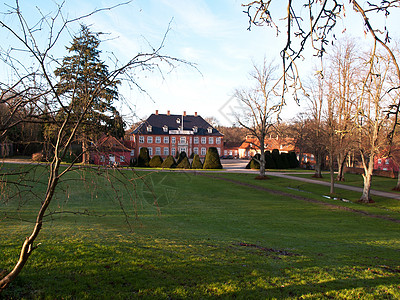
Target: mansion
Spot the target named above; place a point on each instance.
(168, 134)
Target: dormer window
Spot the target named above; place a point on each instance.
(149, 128)
(209, 129)
(165, 128)
(178, 121)
(195, 129)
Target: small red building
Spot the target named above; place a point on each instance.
(385, 164)
(110, 151)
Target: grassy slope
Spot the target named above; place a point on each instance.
(191, 247)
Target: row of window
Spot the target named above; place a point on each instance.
(111, 158)
(165, 127)
(203, 150)
(182, 140)
(387, 161)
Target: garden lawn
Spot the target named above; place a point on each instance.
(198, 237)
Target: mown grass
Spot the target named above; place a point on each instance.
(206, 238)
(378, 182)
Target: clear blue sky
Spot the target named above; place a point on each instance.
(210, 33)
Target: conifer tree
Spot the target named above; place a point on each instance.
(84, 78)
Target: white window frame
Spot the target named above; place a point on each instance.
(173, 151)
(173, 140)
(196, 140)
(210, 140)
(209, 129)
(141, 139)
(158, 150)
(149, 140)
(165, 128)
(196, 150)
(182, 140)
(166, 139)
(150, 150)
(203, 151)
(203, 140)
(149, 128)
(122, 158)
(158, 139)
(166, 151)
(218, 140)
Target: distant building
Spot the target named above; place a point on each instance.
(385, 164)
(251, 145)
(110, 151)
(167, 134)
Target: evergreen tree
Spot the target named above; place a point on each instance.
(87, 90)
(196, 163)
(143, 158)
(156, 161)
(169, 162)
(212, 160)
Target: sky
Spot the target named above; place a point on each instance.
(210, 34)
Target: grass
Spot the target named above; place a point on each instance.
(378, 182)
(207, 238)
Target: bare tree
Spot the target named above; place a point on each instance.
(311, 24)
(37, 77)
(260, 107)
(342, 74)
(372, 119)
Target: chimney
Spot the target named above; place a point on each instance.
(184, 113)
(195, 113)
(156, 111)
(168, 113)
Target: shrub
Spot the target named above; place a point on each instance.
(285, 160)
(196, 163)
(37, 156)
(269, 161)
(293, 161)
(277, 159)
(184, 163)
(180, 157)
(144, 158)
(254, 162)
(169, 162)
(212, 160)
(156, 161)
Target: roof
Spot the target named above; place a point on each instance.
(288, 144)
(158, 121)
(110, 143)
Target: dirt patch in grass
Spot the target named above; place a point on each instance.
(297, 197)
(268, 250)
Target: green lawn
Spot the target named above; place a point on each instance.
(206, 238)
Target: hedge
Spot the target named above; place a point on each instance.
(196, 163)
(156, 161)
(169, 162)
(144, 158)
(212, 160)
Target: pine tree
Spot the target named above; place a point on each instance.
(87, 89)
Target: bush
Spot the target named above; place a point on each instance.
(196, 163)
(180, 157)
(184, 163)
(285, 160)
(37, 156)
(269, 161)
(277, 159)
(212, 160)
(169, 162)
(156, 161)
(254, 162)
(144, 158)
(293, 161)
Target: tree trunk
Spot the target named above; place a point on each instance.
(318, 163)
(397, 187)
(367, 176)
(341, 160)
(332, 175)
(28, 245)
(85, 151)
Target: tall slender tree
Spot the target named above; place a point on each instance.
(84, 78)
